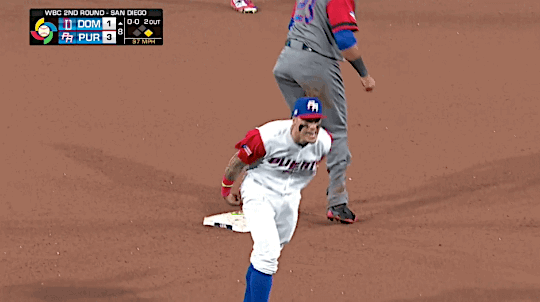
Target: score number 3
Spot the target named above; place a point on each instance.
(304, 10)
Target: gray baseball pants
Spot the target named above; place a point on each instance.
(299, 72)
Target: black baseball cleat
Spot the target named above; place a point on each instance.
(341, 213)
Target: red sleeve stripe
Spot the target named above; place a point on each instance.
(345, 26)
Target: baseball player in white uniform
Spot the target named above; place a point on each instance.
(281, 159)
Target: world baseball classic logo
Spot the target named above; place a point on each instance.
(44, 31)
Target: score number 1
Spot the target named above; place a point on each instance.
(120, 30)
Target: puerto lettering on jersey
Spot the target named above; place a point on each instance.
(293, 166)
(276, 161)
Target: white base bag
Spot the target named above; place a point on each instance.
(234, 221)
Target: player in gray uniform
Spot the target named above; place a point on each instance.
(320, 37)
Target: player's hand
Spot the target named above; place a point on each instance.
(233, 199)
(368, 82)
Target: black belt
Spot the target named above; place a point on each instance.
(295, 44)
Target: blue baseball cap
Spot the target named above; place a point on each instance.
(308, 108)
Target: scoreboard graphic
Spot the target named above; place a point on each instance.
(96, 26)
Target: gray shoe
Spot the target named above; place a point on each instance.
(341, 213)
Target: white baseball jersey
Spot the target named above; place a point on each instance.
(276, 161)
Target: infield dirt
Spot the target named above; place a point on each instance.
(112, 156)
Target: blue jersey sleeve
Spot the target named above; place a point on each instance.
(345, 39)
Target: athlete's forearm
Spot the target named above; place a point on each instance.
(234, 168)
(232, 172)
(353, 55)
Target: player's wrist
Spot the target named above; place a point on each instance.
(226, 186)
(226, 183)
(360, 67)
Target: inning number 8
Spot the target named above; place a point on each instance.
(309, 13)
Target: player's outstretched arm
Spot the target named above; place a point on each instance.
(343, 21)
(250, 149)
(233, 170)
(348, 46)
(352, 54)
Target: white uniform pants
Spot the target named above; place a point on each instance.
(271, 218)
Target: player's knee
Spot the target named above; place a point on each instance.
(278, 71)
(265, 258)
(267, 264)
(339, 164)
